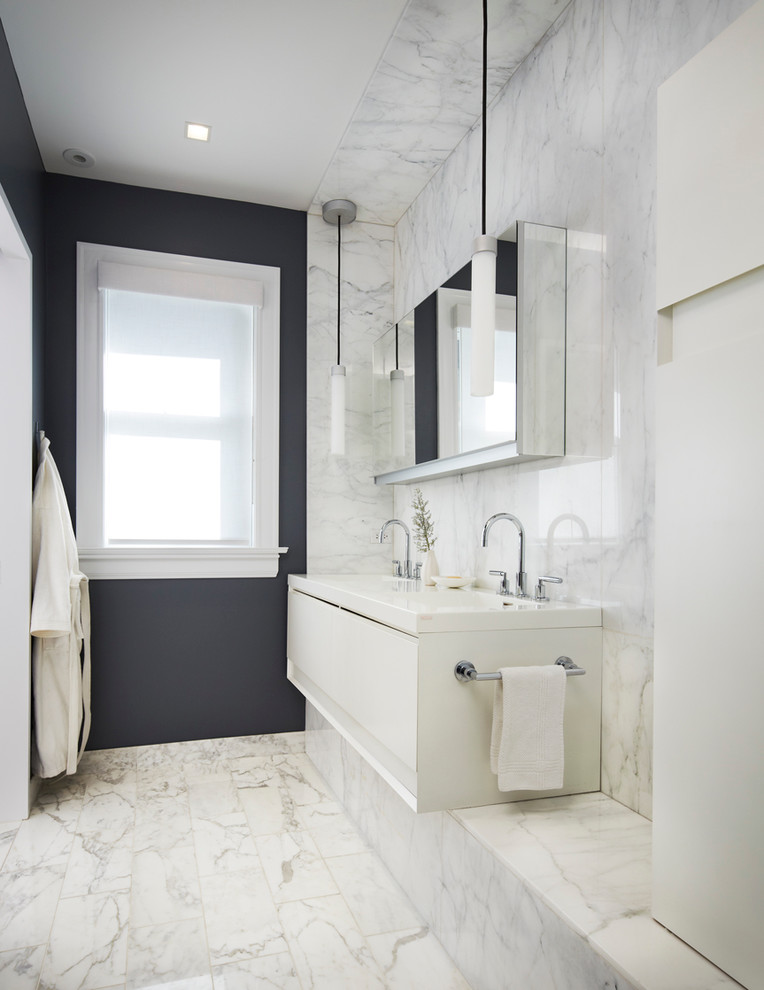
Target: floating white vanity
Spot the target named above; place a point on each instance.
(376, 657)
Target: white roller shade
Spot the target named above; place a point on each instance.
(170, 282)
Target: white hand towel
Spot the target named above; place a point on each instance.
(527, 749)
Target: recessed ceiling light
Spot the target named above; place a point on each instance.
(197, 132)
(75, 156)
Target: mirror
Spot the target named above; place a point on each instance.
(447, 430)
(383, 362)
(467, 422)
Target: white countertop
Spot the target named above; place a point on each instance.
(416, 609)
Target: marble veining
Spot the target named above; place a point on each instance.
(87, 947)
(276, 972)
(221, 864)
(330, 828)
(242, 921)
(355, 875)
(326, 922)
(20, 968)
(572, 141)
(28, 901)
(39, 839)
(224, 844)
(345, 507)
(587, 856)
(537, 894)
(424, 96)
(293, 867)
(165, 885)
(399, 954)
(169, 954)
(627, 720)
(100, 861)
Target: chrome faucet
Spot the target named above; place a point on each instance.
(405, 570)
(521, 575)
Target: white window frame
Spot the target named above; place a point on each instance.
(98, 560)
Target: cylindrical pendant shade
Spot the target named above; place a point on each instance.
(483, 319)
(397, 412)
(338, 409)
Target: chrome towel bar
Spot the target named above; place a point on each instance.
(465, 670)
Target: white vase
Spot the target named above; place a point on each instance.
(430, 569)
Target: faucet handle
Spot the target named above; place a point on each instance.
(417, 570)
(503, 584)
(540, 595)
(397, 569)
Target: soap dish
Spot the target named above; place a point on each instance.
(451, 581)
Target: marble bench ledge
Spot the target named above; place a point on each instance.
(588, 859)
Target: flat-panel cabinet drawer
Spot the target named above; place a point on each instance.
(379, 682)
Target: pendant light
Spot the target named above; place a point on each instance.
(484, 251)
(397, 400)
(338, 212)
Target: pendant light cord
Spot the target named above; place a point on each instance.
(485, 110)
(339, 281)
(396, 346)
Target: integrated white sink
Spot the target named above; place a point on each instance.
(414, 608)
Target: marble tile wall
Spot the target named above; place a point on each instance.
(572, 141)
(345, 507)
(425, 95)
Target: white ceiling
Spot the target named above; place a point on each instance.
(308, 99)
(278, 81)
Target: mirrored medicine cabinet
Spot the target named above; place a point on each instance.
(448, 431)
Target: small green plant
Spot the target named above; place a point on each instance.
(424, 528)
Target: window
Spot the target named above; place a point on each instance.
(177, 415)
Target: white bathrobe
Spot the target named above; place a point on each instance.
(60, 627)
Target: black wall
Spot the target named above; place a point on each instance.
(185, 659)
(21, 177)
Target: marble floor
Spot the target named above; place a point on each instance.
(214, 865)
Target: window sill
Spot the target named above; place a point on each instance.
(137, 563)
